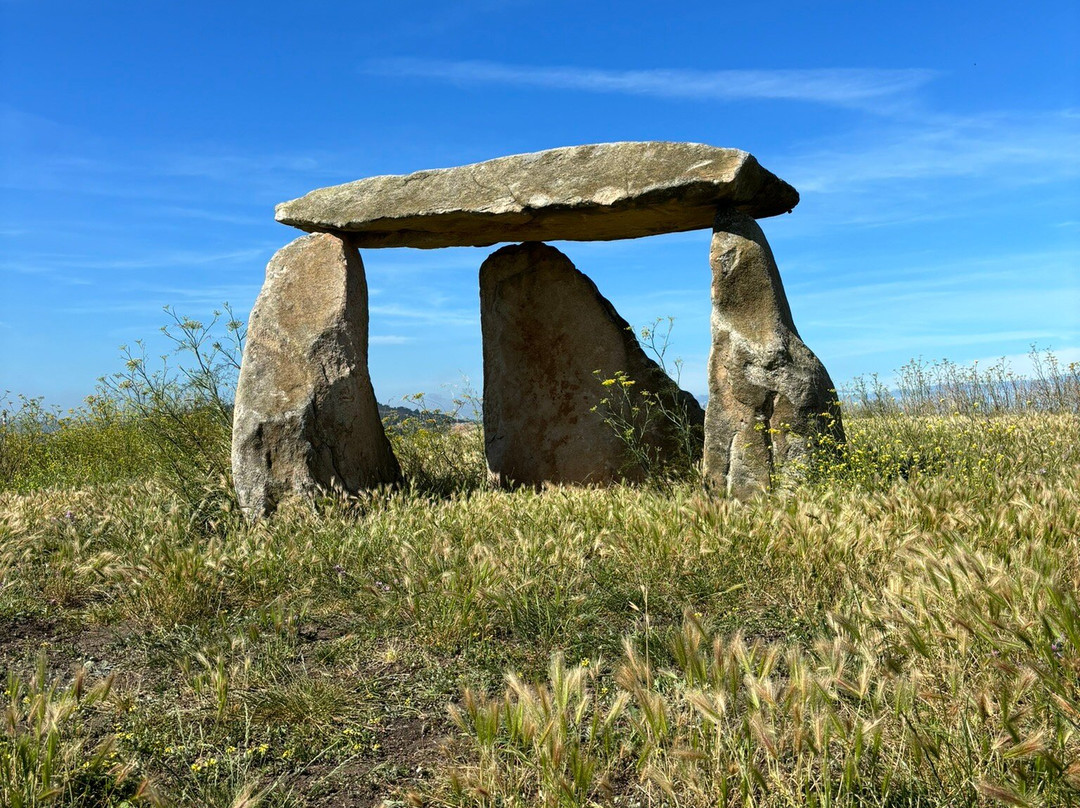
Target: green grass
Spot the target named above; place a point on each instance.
(896, 625)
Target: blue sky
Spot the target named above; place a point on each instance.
(143, 146)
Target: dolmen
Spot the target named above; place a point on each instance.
(306, 419)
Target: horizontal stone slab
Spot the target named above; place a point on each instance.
(598, 192)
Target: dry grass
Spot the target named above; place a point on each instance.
(898, 625)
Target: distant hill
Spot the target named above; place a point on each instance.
(393, 416)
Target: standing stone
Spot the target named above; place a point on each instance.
(768, 393)
(306, 419)
(547, 330)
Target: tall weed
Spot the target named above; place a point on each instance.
(45, 759)
(185, 408)
(441, 452)
(662, 440)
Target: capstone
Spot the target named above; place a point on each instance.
(579, 193)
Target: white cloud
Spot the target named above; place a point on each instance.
(212, 215)
(389, 339)
(427, 315)
(1023, 364)
(874, 89)
(38, 154)
(386, 265)
(231, 166)
(45, 264)
(1000, 147)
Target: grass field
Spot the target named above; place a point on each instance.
(898, 626)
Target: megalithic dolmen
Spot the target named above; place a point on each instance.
(306, 365)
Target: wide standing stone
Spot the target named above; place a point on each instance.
(306, 419)
(768, 393)
(596, 192)
(546, 331)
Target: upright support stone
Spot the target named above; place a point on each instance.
(546, 331)
(306, 419)
(768, 393)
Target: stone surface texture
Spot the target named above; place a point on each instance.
(767, 390)
(579, 193)
(546, 329)
(306, 419)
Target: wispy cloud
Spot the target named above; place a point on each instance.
(1029, 148)
(427, 315)
(389, 339)
(925, 273)
(222, 166)
(1024, 363)
(919, 345)
(384, 266)
(965, 308)
(210, 296)
(216, 216)
(873, 89)
(41, 155)
(147, 303)
(47, 264)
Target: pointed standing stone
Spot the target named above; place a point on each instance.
(767, 390)
(546, 329)
(306, 418)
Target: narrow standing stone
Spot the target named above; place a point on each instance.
(306, 419)
(768, 393)
(546, 330)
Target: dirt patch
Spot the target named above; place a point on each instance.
(23, 637)
(21, 631)
(409, 750)
(67, 646)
